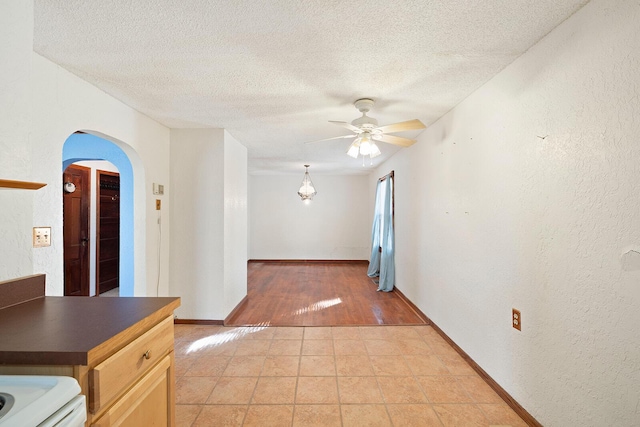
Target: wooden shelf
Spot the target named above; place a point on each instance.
(23, 185)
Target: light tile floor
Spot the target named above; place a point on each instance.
(115, 292)
(328, 376)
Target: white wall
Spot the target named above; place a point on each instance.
(42, 105)
(62, 104)
(336, 225)
(16, 206)
(235, 222)
(208, 206)
(529, 198)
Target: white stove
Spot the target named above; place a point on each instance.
(41, 401)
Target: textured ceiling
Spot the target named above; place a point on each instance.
(273, 73)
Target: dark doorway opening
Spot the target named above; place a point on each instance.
(108, 232)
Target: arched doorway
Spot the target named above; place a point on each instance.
(82, 146)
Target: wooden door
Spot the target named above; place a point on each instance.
(76, 229)
(108, 232)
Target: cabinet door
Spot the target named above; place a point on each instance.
(148, 403)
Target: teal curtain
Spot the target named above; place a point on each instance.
(381, 262)
(374, 259)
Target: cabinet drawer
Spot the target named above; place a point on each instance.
(111, 377)
(147, 403)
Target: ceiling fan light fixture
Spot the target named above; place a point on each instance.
(307, 190)
(366, 130)
(369, 149)
(365, 148)
(354, 149)
(374, 151)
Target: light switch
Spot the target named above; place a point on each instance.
(41, 237)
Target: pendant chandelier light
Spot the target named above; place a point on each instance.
(307, 190)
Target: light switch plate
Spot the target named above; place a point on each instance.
(41, 237)
(158, 189)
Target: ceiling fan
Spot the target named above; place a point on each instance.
(366, 132)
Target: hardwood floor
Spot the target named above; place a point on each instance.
(318, 294)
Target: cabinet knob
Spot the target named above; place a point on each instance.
(147, 355)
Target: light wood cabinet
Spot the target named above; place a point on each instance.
(109, 379)
(147, 403)
(134, 386)
(129, 380)
(119, 349)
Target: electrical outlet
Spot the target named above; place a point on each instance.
(41, 237)
(158, 204)
(516, 319)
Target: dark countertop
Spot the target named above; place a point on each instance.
(63, 330)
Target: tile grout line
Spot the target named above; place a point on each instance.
(295, 391)
(246, 412)
(420, 385)
(335, 366)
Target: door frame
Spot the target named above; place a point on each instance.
(93, 145)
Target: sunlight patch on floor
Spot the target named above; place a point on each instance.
(225, 337)
(317, 306)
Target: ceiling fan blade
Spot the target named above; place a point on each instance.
(347, 125)
(402, 126)
(329, 139)
(395, 140)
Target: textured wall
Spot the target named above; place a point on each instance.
(42, 105)
(62, 104)
(16, 206)
(208, 230)
(197, 231)
(335, 225)
(526, 195)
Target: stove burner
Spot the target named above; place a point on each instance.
(6, 402)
